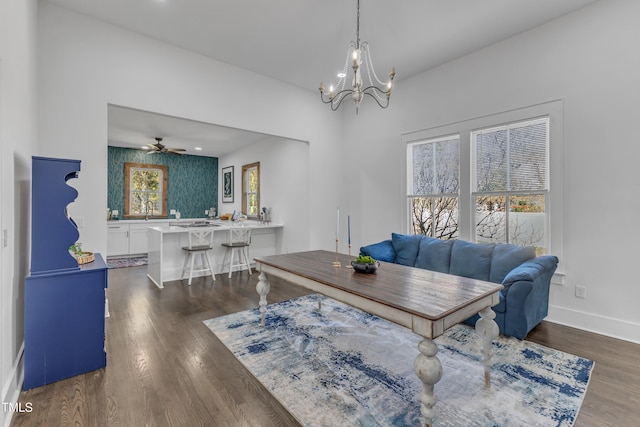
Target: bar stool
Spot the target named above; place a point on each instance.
(238, 243)
(200, 242)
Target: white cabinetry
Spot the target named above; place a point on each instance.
(263, 243)
(127, 239)
(138, 238)
(118, 239)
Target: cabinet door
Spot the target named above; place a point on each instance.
(138, 239)
(118, 240)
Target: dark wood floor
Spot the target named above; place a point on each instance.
(165, 368)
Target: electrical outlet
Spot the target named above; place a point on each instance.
(581, 291)
(172, 211)
(206, 211)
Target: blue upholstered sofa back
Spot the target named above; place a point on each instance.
(484, 261)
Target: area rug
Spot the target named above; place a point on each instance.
(126, 262)
(343, 367)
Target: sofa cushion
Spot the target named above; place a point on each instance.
(382, 251)
(434, 254)
(506, 257)
(406, 247)
(471, 260)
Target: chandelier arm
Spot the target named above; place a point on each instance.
(340, 96)
(336, 105)
(378, 91)
(378, 101)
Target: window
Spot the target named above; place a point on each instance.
(251, 189)
(490, 179)
(510, 183)
(435, 183)
(145, 190)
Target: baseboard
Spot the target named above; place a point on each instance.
(614, 328)
(11, 388)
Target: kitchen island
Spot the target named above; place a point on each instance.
(165, 243)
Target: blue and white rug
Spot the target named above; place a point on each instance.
(344, 367)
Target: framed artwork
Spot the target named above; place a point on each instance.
(227, 184)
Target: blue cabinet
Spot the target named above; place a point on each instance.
(64, 302)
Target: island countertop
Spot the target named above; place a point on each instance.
(182, 226)
(166, 240)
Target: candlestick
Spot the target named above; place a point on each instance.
(337, 223)
(336, 263)
(349, 229)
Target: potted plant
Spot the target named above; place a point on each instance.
(365, 264)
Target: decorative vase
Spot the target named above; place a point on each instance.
(361, 267)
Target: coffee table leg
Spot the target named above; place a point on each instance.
(429, 370)
(488, 330)
(263, 287)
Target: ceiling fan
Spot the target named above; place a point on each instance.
(158, 147)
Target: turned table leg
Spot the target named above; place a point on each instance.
(488, 330)
(263, 287)
(429, 370)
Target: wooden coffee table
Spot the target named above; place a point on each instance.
(424, 301)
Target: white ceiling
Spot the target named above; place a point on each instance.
(303, 42)
(132, 128)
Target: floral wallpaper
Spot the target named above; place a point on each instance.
(193, 180)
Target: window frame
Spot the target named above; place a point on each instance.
(432, 196)
(246, 194)
(554, 214)
(164, 170)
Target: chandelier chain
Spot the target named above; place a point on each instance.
(358, 27)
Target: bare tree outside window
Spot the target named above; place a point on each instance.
(435, 185)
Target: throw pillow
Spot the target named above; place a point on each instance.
(434, 254)
(382, 251)
(471, 260)
(406, 247)
(506, 257)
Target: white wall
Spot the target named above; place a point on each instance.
(588, 59)
(85, 65)
(17, 139)
(284, 186)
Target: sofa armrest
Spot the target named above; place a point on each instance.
(533, 270)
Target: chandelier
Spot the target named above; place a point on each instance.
(359, 58)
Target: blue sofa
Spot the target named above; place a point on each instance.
(524, 301)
